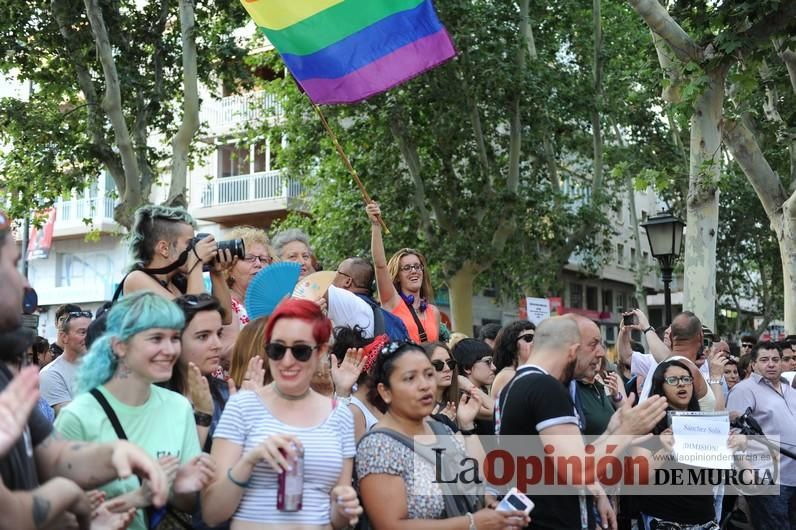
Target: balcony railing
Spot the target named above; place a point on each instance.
(266, 185)
(234, 112)
(74, 212)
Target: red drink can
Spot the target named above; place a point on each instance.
(290, 493)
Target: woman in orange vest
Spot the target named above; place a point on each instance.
(404, 287)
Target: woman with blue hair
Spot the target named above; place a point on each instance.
(118, 398)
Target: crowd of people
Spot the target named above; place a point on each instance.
(173, 408)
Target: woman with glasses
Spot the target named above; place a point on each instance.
(513, 346)
(404, 285)
(257, 257)
(398, 484)
(673, 380)
(118, 398)
(263, 432)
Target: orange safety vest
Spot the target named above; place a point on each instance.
(430, 324)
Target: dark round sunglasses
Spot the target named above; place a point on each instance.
(301, 352)
(526, 338)
(439, 365)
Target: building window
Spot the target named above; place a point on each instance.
(620, 254)
(644, 215)
(608, 300)
(621, 303)
(575, 295)
(234, 160)
(591, 298)
(632, 256)
(645, 256)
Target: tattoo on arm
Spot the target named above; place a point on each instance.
(41, 510)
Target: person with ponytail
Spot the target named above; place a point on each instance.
(118, 398)
(169, 262)
(404, 285)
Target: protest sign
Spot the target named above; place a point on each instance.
(538, 309)
(700, 438)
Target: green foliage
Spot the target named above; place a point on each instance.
(60, 140)
(469, 200)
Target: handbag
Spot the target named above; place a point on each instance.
(165, 518)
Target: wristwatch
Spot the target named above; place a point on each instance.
(716, 381)
(202, 419)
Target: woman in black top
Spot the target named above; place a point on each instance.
(672, 380)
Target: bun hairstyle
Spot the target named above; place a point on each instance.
(384, 366)
(152, 224)
(193, 304)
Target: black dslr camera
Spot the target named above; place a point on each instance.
(236, 247)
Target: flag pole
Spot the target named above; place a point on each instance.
(347, 162)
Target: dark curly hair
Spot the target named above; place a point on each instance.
(345, 338)
(506, 353)
(383, 369)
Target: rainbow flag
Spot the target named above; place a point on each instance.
(344, 51)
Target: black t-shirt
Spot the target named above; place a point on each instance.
(684, 509)
(529, 404)
(18, 468)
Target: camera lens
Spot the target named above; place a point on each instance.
(236, 247)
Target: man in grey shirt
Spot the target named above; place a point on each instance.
(58, 378)
(773, 404)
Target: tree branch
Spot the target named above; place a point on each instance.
(768, 186)
(658, 19)
(765, 28)
(515, 127)
(94, 119)
(181, 144)
(112, 104)
(412, 161)
(789, 58)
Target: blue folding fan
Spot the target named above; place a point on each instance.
(270, 286)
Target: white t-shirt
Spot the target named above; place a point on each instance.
(347, 309)
(57, 381)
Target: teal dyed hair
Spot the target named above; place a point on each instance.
(129, 316)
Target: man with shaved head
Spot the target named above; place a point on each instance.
(537, 402)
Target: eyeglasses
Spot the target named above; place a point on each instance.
(412, 267)
(527, 338)
(674, 381)
(747, 345)
(264, 260)
(439, 365)
(78, 314)
(486, 360)
(301, 352)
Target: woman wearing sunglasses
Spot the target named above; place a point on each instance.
(404, 285)
(261, 434)
(447, 394)
(513, 346)
(673, 380)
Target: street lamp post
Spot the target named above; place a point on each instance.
(665, 235)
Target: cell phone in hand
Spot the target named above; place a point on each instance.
(515, 500)
(629, 319)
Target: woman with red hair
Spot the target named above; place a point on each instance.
(261, 433)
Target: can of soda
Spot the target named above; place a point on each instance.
(291, 485)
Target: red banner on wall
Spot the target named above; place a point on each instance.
(41, 239)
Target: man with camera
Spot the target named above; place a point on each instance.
(171, 260)
(689, 344)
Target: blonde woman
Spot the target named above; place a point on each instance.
(404, 284)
